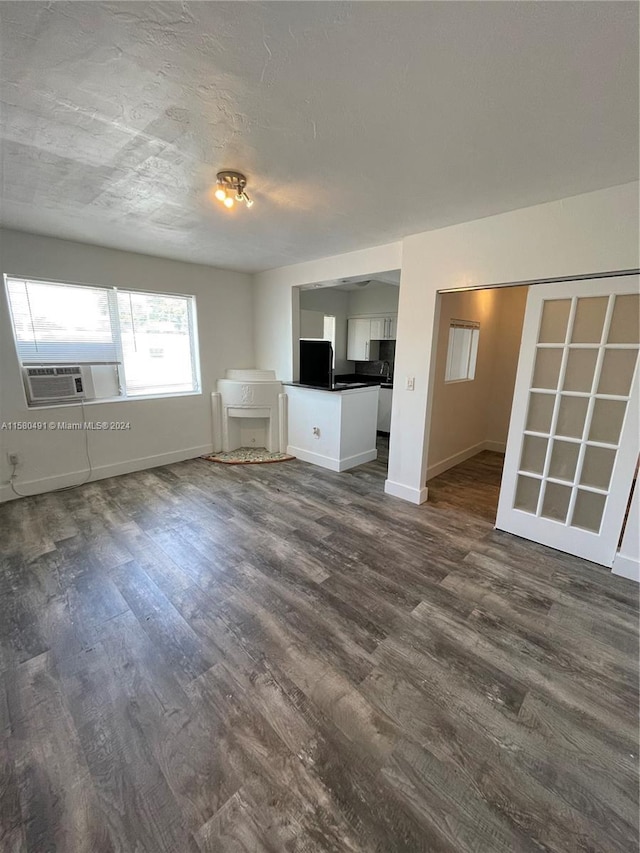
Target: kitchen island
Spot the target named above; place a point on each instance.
(335, 427)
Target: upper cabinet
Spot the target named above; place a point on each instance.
(378, 328)
(359, 342)
(383, 328)
(364, 334)
(392, 325)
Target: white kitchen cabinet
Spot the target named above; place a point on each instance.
(392, 325)
(360, 346)
(378, 328)
(384, 409)
(383, 328)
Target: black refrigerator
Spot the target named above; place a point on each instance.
(316, 364)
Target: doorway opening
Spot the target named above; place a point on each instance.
(478, 344)
(358, 317)
(570, 417)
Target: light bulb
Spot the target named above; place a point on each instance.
(248, 201)
(228, 202)
(220, 194)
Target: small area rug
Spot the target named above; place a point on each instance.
(248, 456)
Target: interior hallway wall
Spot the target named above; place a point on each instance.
(512, 302)
(470, 416)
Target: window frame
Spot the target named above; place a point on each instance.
(112, 297)
(472, 355)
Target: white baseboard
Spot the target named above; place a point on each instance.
(462, 456)
(101, 472)
(496, 446)
(331, 462)
(626, 567)
(406, 493)
(358, 459)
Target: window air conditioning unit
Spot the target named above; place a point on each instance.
(58, 383)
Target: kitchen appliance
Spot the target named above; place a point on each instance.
(316, 364)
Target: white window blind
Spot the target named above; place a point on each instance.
(151, 337)
(156, 333)
(462, 351)
(61, 323)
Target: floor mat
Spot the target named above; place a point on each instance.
(248, 456)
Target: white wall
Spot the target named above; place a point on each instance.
(162, 430)
(374, 299)
(334, 302)
(594, 232)
(467, 417)
(590, 233)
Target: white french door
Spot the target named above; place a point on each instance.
(573, 437)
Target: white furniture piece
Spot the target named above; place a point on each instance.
(333, 429)
(249, 409)
(384, 409)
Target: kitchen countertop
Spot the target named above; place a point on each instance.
(337, 386)
(365, 379)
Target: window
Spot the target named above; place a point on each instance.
(60, 323)
(462, 350)
(150, 338)
(156, 333)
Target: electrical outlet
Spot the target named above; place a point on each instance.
(410, 383)
(14, 458)
(316, 432)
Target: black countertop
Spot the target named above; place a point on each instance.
(345, 381)
(337, 386)
(365, 379)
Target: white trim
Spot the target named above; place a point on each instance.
(330, 462)
(100, 401)
(598, 547)
(50, 484)
(406, 493)
(451, 461)
(495, 446)
(626, 567)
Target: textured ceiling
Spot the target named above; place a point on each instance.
(356, 123)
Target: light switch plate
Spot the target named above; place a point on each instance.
(410, 383)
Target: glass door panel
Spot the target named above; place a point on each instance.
(574, 422)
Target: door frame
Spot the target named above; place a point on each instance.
(578, 277)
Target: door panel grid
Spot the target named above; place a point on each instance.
(585, 366)
(583, 362)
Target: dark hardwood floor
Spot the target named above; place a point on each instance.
(278, 658)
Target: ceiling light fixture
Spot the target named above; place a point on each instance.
(230, 188)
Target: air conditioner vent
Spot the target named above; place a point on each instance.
(54, 383)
